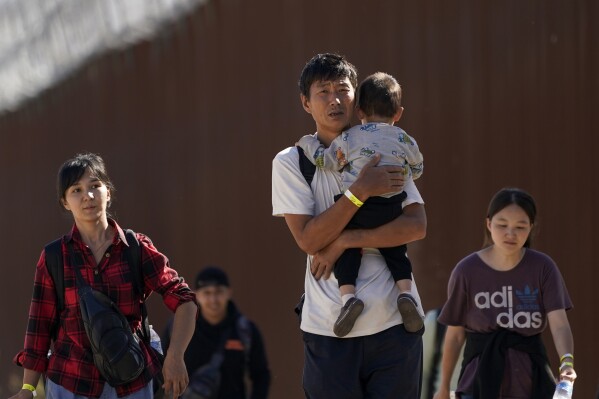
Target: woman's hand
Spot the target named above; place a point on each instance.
(30, 377)
(175, 375)
(442, 393)
(567, 373)
(23, 394)
(173, 369)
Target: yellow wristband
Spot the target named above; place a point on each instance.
(31, 388)
(565, 356)
(353, 198)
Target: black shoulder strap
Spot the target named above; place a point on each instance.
(306, 167)
(244, 330)
(55, 266)
(133, 255)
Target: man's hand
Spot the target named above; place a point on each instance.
(175, 375)
(377, 180)
(324, 260)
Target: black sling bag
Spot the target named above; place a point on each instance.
(116, 350)
(54, 264)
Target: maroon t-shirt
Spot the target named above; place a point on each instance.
(482, 299)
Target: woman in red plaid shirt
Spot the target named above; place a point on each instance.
(85, 190)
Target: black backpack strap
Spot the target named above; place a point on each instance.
(55, 266)
(244, 330)
(133, 255)
(308, 170)
(306, 166)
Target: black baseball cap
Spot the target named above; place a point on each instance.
(211, 276)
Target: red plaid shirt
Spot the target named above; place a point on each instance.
(71, 364)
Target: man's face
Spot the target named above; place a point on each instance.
(213, 301)
(331, 104)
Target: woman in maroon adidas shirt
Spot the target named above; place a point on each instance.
(500, 299)
(85, 190)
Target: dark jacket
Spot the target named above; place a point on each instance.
(207, 339)
(491, 347)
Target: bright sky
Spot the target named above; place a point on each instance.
(43, 41)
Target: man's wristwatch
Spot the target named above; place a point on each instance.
(31, 388)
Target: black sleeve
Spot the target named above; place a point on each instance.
(258, 366)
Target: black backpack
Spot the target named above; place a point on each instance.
(105, 325)
(205, 381)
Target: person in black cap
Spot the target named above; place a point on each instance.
(225, 346)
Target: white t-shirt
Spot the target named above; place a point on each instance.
(374, 286)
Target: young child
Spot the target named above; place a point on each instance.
(378, 103)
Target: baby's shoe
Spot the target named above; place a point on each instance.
(412, 321)
(347, 317)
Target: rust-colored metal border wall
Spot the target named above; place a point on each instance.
(496, 93)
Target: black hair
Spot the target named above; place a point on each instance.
(325, 67)
(379, 94)
(73, 169)
(211, 276)
(506, 197)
